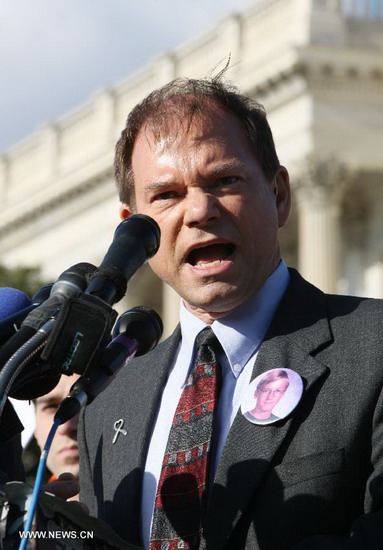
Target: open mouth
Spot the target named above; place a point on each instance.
(210, 255)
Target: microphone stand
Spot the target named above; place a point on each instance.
(38, 482)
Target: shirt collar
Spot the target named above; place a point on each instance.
(241, 332)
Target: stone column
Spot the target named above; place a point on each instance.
(3, 180)
(49, 143)
(104, 109)
(373, 272)
(374, 280)
(170, 309)
(318, 194)
(230, 35)
(166, 68)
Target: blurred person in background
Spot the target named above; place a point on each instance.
(63, 456)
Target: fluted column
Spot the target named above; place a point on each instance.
(318, 193)
(373, 273)
(104, 103)
(3, 179)
(49, 139)
(170, 309)
(166, 68)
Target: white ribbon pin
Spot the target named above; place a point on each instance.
(118, 429)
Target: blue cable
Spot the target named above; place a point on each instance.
(38, 482)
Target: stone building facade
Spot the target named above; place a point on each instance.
(316, 66)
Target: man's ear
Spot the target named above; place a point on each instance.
(282, 195)
(124, 211)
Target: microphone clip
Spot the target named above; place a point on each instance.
(81, 332)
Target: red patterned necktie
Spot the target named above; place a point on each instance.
(181, 497)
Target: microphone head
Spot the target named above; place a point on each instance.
(142, 324)
(136, 239)
(144, 228)
(11, 301)
(70, 284)
(37, 380)
(41, 295)
(73, 281)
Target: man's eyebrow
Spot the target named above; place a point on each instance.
(222, 168)
(43, 400)
(214, 171)
(158, 185)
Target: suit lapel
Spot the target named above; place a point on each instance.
(149, 378)
(299, 328)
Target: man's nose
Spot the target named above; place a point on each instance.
(201, 207)
(69, 427)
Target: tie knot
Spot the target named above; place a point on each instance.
(207, 346)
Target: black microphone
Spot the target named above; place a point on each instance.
(135, 241)
(83, 328)
(40, 379)
(11, 324)
(136, 332)
(71, 283)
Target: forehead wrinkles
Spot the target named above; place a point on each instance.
(197, 151)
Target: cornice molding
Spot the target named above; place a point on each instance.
(56, 202)
(313, 76)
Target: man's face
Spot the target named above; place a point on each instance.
(63, 455)
(270, 394)
(218, 214)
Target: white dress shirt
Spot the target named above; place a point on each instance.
(240, 335)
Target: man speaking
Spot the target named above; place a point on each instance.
(168, 459)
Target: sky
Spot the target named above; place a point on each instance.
(55, 54)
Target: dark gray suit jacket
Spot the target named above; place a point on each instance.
(317, 473)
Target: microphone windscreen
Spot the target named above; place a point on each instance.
(34, 385)
(11, 301)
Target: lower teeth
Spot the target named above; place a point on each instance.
(208, 264)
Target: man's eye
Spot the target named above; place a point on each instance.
(51, 407)
(165, 196)
(227, 180)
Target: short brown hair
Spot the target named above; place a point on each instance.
(161, 106)
(272, 376)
